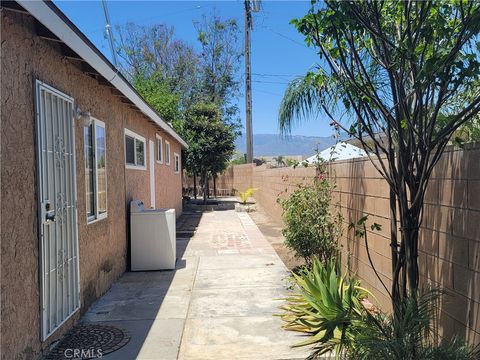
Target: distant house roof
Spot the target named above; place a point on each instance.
(54, 25)
(340, 151)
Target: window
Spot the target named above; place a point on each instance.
(159, 150)
(176, 162)
(134, 150)
(95, 170)
(167, 153)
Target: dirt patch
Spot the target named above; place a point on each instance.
(272, 230)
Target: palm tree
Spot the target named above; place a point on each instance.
(279, 160)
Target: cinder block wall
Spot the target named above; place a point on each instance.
(450, 235)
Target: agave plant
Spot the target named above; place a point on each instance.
(328, 307)
(325, 306)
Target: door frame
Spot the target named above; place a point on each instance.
(38, 85)
(151, 160)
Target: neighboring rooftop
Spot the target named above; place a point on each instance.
(340, 151)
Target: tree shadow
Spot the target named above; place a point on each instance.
(358, 181)
(450, 242)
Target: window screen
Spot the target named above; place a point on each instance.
(140, 154)
(89, 172)
(129, 150)
(95, 170)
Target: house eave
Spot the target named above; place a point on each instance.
(64, 31)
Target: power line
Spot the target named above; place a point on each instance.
(156, 18)
(270, 82)
(266, 92)
(284, 36)
(276, 75)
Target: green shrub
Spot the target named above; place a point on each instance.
(245, 195)
(313, 225)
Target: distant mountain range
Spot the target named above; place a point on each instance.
(275, 145)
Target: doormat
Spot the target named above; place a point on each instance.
(89, 341)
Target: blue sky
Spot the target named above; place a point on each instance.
(278, 51)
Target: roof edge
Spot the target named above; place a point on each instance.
(49, 15)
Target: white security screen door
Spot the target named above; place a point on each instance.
(57, 207)
(151, 156)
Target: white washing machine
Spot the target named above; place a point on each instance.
(153, 238)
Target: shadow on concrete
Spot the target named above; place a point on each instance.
(215, 204)
(146, 303)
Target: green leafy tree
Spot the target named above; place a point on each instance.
(157, 92)
(154, 51)
(219, 62)
(397, 68)
(211, 142)
(238, 159)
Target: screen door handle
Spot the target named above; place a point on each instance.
(49, 213)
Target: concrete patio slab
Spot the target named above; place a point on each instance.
(239, 262)
(149, 340)
(218, 303)
(228, 278)
(236, 302)
(249, 337)
(158, 304)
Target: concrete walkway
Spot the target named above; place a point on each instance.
(217, 304)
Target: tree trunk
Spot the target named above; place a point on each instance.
(215, 186)
(194, 185)
(208, 186)
(205, 187)
(396, 253)
(406, 277)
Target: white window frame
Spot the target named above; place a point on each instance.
(97, 216)
(167, 158)
(159, 148)
(135, 136)
(175, 157)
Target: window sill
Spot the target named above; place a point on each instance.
(134, 167)
(93, 221)
(159, 162)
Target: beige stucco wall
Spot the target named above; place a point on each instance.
(103, 244)
(449, 249)
(168, 184)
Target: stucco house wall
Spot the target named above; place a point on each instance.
(102, 244)
(168, 184)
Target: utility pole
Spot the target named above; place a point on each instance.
(250, 6)
(248, 82)
(109, 34)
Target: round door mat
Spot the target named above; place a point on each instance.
(89, 341)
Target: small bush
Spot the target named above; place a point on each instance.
(313, 225)
(245, 195)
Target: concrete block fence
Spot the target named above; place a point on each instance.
(450, 235)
